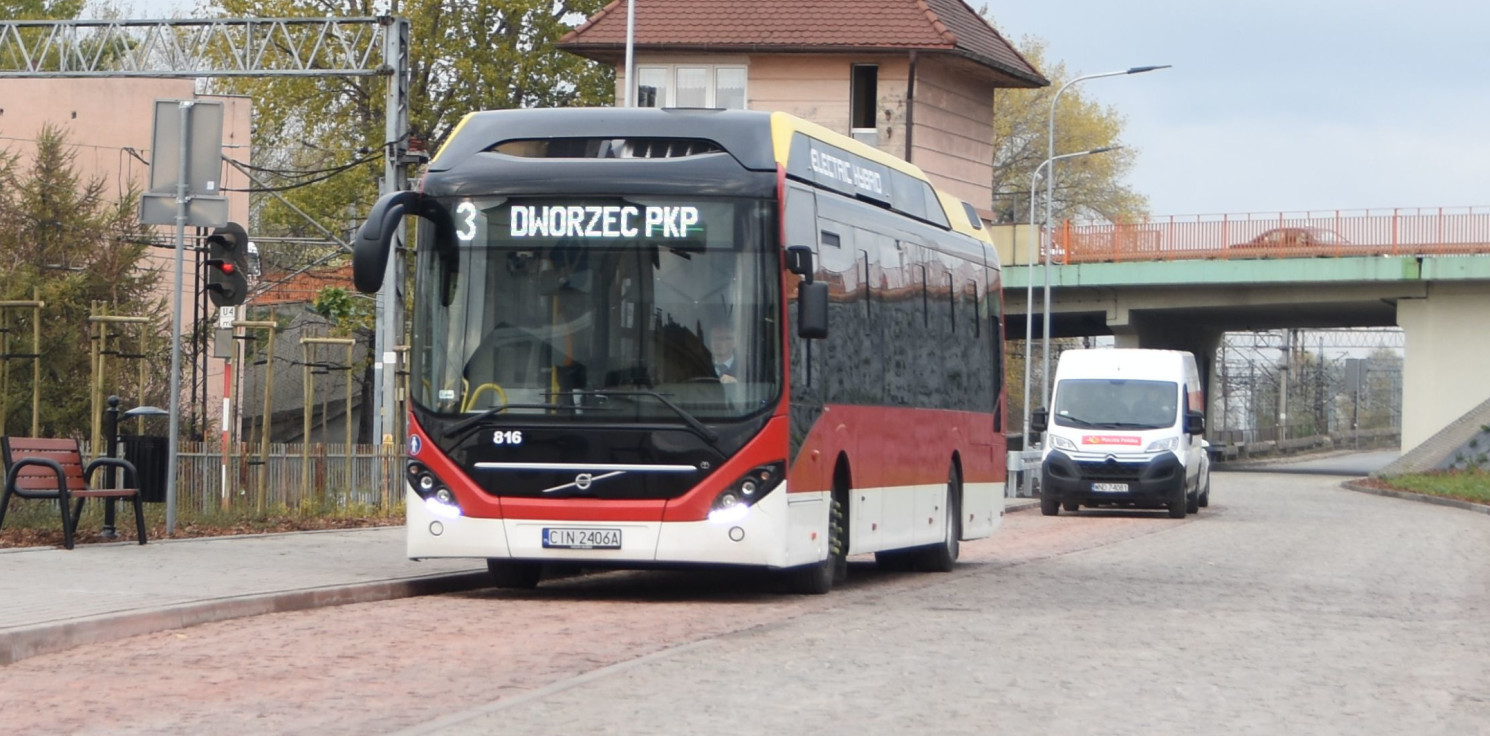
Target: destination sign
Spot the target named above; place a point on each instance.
(605, 221)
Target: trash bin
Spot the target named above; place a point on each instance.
(150, 456)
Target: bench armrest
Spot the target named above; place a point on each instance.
(15, 467)
(129, 470)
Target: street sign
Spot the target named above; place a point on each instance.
(202, 142)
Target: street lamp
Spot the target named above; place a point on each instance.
(1029, 296)
(1049, 195)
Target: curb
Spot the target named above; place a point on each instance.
(1420, 497)
(30, 641)
(1020, 504)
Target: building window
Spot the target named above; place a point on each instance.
(691, 85)
(864, 97)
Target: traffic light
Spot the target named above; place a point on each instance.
(227, 265)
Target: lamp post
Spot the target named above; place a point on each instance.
(1049, 195)
(1029, 297)
(630, 96)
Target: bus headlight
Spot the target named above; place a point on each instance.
(734, 502)
(438, 498)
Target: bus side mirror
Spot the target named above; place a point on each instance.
(812, 310)
(799, 261)
(1194, 422)
(375, 240)
(1039, 420)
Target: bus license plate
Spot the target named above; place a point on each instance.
(1109, 488)
(564, 538)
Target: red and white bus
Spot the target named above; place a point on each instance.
(579, 276)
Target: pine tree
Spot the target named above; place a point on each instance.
(63, 241)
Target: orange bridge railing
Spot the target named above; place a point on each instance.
(1403, 231)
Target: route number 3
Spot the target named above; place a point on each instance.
(508, 437)
(466, 213)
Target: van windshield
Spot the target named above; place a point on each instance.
(1116, 404)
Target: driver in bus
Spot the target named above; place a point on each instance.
(722, 348)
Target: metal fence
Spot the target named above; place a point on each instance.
(319, 477)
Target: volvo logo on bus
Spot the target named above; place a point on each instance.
(582, 481)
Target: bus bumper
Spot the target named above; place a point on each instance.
(782, 530)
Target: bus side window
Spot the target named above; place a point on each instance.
(951, 305)
(970, 307)
(801, 216)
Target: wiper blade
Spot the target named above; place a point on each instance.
(702, 429)
(475, 419)
(1077, 421)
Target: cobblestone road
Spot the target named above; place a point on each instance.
(1289, 606)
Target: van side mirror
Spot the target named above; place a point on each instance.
(1194, 422)
(812, 310)
(1040, 420)
(799, 261)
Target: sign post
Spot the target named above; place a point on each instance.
(187, 134)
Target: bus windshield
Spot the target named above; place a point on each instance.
(627, 308)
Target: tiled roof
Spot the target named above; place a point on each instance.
(764, 26)
(300, 288)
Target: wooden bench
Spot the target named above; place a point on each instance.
(52, 469)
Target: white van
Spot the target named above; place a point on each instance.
(1126, 431)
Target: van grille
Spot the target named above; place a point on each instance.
(1110, 470)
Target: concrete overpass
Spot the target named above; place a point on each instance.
(1441, 301)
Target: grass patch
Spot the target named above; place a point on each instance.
(39, 524)
(1468, 485)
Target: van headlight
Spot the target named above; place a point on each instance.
(1168, 443)
(1061, 443)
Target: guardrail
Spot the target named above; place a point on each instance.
(1401, 231)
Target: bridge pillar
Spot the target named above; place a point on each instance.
(1160, 333)
(1443, 364)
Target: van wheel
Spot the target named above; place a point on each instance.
(1049, 505)
(1178, 503)
(514, 573)
(1071, 506)
(1205, 493)
(1192, 502)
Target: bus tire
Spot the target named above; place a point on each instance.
(818, 578)
(892, 561)
(942, 557)
(514, 573)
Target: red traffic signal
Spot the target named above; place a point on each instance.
(227, 260)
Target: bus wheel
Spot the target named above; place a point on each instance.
(892, 561)
(514, 573)
(817, 579)
(941, 557)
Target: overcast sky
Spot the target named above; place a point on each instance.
(1284, 106)
(1274, 105)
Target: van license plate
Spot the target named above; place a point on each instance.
(1109, 488)
(564, 538)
